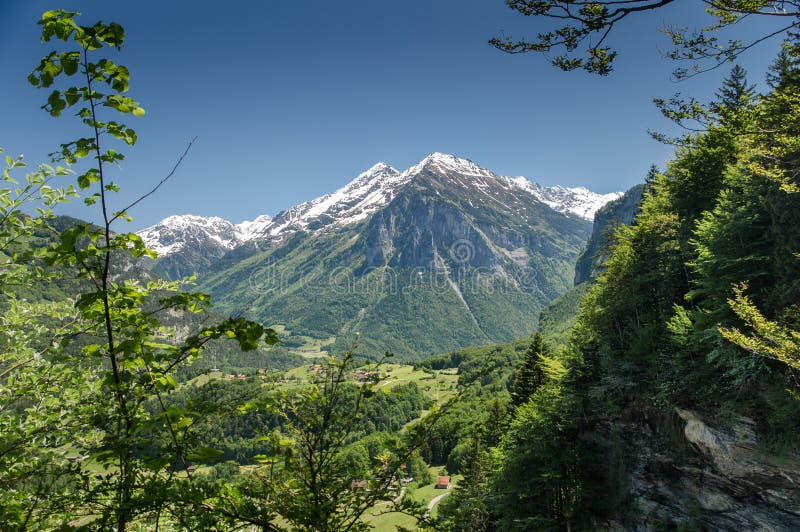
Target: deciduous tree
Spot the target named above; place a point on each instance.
(128, 458)
(577, 32)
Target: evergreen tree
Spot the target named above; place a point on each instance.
(735, 98)
(496, 422)
(652, 173)
(779, 68)
(784, 67)
(735, 93)
(529, 376)
(649, 179)
(537, 483)
(467, 508)
(769, 339)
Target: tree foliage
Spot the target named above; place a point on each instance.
(769, 339)
(578, 31)
(537, 484)
(31, 333)
(667, 322)
(469, 507)
(110, 352)
(695, 306)
(530, 375)
(313, 476)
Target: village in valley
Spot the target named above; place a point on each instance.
(438, 385)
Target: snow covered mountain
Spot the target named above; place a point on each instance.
(380, 184)
(351, 203)
(174, 233)
(255, 228)
(471, 254)
(442, 255)
(207, 238)
(579, 200)
(188, 243)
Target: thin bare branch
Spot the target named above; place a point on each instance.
(155, 188)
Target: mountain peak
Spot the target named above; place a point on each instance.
(172, 233)
(378, 168)
(182, 220)
(377, 172)
(444, 158)
(578, 201)
(444, 162)
(353, 202)
(250, 229)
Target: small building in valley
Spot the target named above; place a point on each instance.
(442, 482)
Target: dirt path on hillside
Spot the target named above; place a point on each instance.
(435, 500)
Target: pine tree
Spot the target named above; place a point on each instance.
(782, 65)
(735, 93)
(652, 174)
(734, 98)
(496, 422)
(467, 508)
(650, 178)
(529, 376)
(784, 68)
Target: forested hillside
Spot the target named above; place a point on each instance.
(557, 319)
(685, 352)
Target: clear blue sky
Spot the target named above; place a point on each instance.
(290, 100)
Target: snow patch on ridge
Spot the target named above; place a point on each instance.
(578, 200)
(446, 162)
(351, 203)
(254, 228)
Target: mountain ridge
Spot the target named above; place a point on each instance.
(357, 200)
(165, 237)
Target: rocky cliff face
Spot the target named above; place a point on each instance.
(621, 210)
(690, 472)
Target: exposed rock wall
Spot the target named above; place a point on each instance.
(705, 476)
(610, 216)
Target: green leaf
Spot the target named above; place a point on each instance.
(69, 62)
(55, 104)
(72, 96)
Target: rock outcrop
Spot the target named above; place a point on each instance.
(692, 473)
